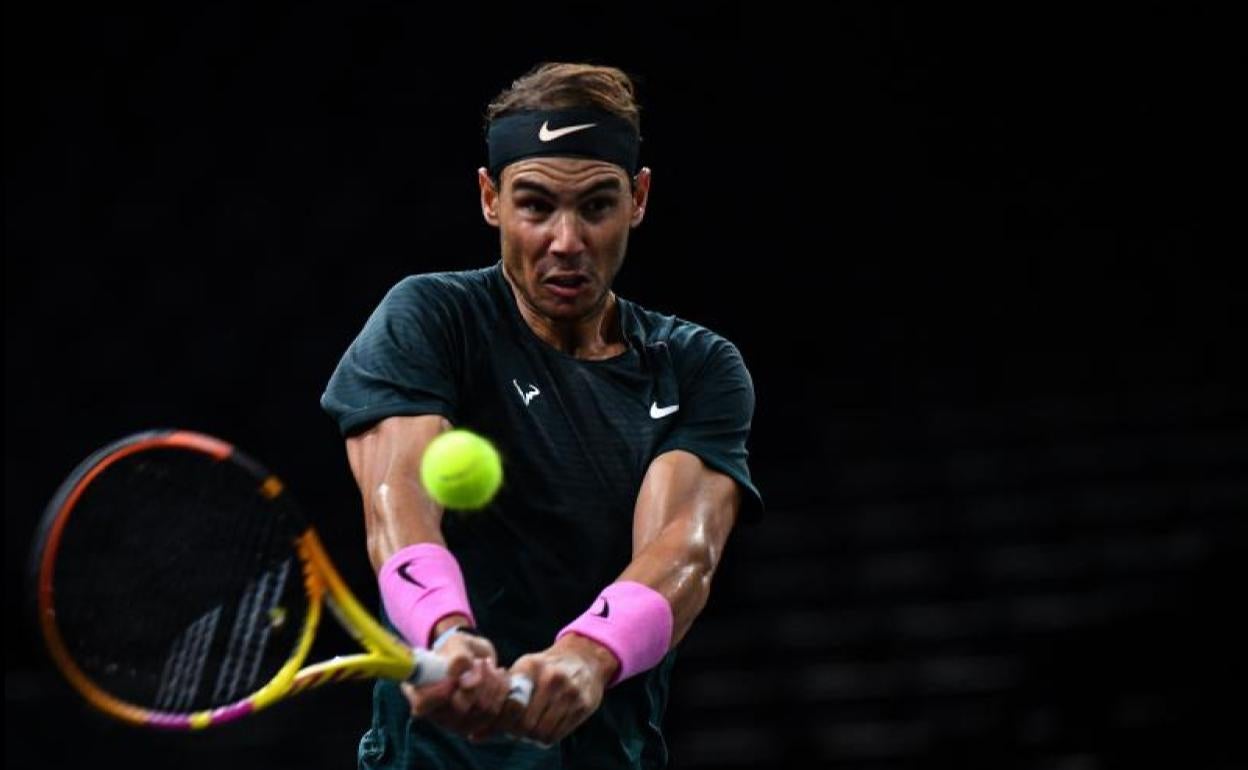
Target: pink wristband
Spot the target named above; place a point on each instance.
(420, 585)
(633, 621)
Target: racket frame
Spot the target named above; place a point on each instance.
(385, 655)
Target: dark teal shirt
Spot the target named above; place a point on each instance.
(576, 438)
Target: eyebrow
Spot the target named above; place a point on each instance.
(612, 184)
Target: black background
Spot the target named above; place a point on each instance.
(980, 266)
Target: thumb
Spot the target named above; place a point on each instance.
(458, 663)
(480, 647)
(527, 665)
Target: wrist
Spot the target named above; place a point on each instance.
(451, 621)
(632, 621)
(421, 587)
(599, 657)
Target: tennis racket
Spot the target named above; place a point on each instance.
(178, 587)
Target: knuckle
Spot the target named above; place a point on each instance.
(461, 703)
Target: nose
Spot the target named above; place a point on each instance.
(568, 238)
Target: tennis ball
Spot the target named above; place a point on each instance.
(461, 470)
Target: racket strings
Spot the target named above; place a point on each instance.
(254, 622)
(176, 586)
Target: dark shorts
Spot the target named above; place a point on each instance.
(621, 735)
(396, 741)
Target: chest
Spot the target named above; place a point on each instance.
(580, 428)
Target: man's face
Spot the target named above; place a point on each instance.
(564, 226)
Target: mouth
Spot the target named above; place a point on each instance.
(566, 285)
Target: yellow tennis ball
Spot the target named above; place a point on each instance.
(461, 470)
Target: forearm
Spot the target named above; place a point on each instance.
(679, 564)
(398, 513)
(684, 515)
(654, 601)
(386, 463)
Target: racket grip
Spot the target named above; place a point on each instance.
(427, 668)
(521, 689)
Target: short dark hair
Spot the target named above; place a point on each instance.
(564, 85)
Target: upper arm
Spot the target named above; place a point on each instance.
(405, 361)
(716, 412)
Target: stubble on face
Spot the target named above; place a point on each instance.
(564, 226)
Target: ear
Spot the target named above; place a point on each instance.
(641, 196)
(489, 196)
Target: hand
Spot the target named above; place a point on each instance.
(569, 680)
(470, 699)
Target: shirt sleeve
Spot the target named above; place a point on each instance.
(404, 361)
(716, 410)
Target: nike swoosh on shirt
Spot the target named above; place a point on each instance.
(546, 134)
(658, 413)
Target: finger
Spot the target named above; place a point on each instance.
(454, 713)
(549, 689)
(471, 645)
(428, 699)
(515, 708)
(458, 662)
(572, 719)
(472, 678)
(479, 697)
(490, 700)
(492, 690)
(468, 688)
(517, 704)
(556, 712)
(480, 647)
(536, 712)
(510, 716)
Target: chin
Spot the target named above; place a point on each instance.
(565, 312)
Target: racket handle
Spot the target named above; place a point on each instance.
(430, 667)
(521, 689)
(427, 668)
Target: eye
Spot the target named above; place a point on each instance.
(599, 206)
(533, 206)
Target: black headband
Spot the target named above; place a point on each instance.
(575, 133)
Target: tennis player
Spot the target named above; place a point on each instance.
(623, 435)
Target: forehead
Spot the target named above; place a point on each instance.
(563, 174)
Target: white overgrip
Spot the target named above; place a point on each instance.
(429, 667)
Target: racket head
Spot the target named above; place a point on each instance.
(172, 586)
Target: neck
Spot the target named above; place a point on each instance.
(592, 337)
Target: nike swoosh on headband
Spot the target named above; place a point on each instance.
(546, 134)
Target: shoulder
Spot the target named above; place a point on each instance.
(459, 287)
(692, 346)
(463, 298)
